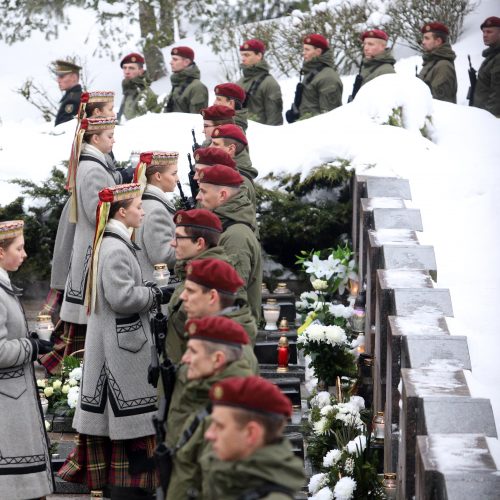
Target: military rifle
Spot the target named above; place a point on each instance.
(358, 81)
(473, 81)
(193, 183)
(195, 145)
(186, 203)
(293, 114)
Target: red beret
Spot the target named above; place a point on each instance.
(198, 217)
(214, 156)
(382, 35)
(186, 52)
(217, 329)
(214, 273)
(231, 91)
(431, 27)
(491, 22)
(220, 175)
(318, 41)
(251, 393)
(217, 112)
(254, 44)
(132, 58)
(230, 131)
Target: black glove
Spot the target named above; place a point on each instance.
(40, 346)
(166, 294)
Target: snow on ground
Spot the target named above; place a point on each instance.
(454, 179)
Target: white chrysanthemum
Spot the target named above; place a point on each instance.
(357, 445)
(320, 285)
(344, 488)
(335, 335)
(340, 311)
(57, 384)
(321, 426)
(73, 394)
(316, 482)
(331, 458)
(315, 333)
(76, 373)
(326, 410)
(41, 382)
(72, 382)
(358, 402)
(323, 494)
(349, 466)
(321, 399)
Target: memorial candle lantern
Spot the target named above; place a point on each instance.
(378, 426)
(281, 289)
(161, 274)
(44, 326)
(389, 484)
(271, 314)
(283, 354)
(283, 326)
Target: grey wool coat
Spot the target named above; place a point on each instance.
(92, 175)
(156, 232)
(116, 399)
(24, 456)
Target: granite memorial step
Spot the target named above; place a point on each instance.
(270, 371)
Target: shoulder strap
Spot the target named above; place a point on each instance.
(247, 175)
(130, 244)
(149, 196)
(264, 490)
(170, 102)
(310, 76)
(15, 292)
(254, 87)
(96, 160)
(186, 435)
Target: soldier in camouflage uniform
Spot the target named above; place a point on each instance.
(249, 457)
(138, 98)
(322, 85)
(214, 352)
(377, 58)
(263, 93)
(233, 96)
(188, 94)
(487, 93)
(68, 75)
(438, 70)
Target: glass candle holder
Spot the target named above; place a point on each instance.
(296, 414)
(358, 320)
(389, 483)
(281, 288)
(161, 274)
(271, 314)
(45, 405)
(44, 326)
(378, 426)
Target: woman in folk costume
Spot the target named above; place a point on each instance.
(90, 170)
(25, 470)
(157, 171)
(97, 104)
(114, 413)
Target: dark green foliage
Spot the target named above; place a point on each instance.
(301, 215)
(41, 219)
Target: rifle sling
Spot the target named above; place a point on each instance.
(186, 435)
(254, 87)
(149, 196)
(185, 85)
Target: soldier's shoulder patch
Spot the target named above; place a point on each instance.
(69, 108)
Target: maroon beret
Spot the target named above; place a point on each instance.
(214, 156)
(220, 175)
(198, 217)
(229, 131)
(134, 57)
(431, 27)
(217, 112)
(491, 22)
(254, 44)
(186, 52)
(231, 91)
(316, 40)
(382, 35)
(217, 329)
(214, 273)
(251, 393)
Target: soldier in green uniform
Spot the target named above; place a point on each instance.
(214, 352)
(188, 94)
(220, 192)
(249, 457)
(438, 70)
(233, 96)
(322, 89)
(231, 139)
(263, 93)
(68, 76)
(138, 98)
(213, 116)
(487, 92)
(377, 58)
